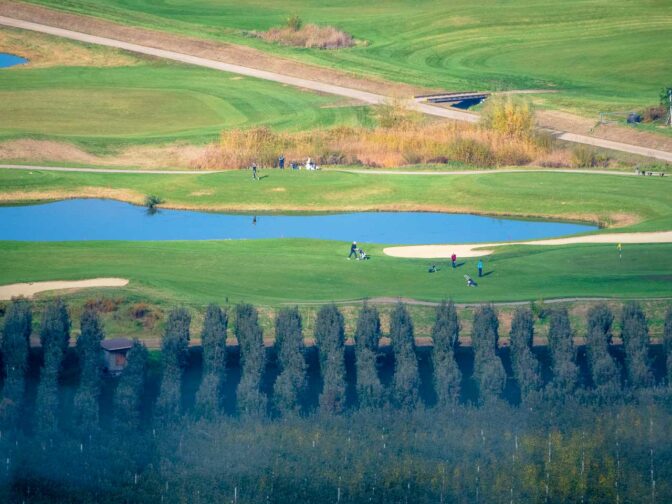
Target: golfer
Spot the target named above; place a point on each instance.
(480, 268)
(453, 259)
(353, 250)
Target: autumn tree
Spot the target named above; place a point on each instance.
(563, 354)
(330, 339)
(15, 348)
(488, 368)
(525, 364)
(174, 346)
(604, 373)
(291, 381)
(251, 400)
(213, 341)
(406, 374)
(445, 336)
(370, 391)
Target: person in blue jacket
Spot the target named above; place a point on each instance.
(480, 268)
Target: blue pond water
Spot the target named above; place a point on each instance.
(8, 60)
(111, 220)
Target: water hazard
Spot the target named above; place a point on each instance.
(8, 60)
(95, 219)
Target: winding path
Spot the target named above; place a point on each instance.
(364, 96)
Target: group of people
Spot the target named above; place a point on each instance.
(310, 165)
(453, 261)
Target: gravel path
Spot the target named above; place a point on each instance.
(364, 96)
(483, 249)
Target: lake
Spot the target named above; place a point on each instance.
(8, 60)
(96, 219)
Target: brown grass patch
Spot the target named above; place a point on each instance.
(278, 189)
(308, 36)
(44, 51)
(83, 192)
(206, 192)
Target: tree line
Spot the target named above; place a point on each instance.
(606, 379)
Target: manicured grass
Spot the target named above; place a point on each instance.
(102, 108)
(279, 271)
(599, 55)
(599, 198)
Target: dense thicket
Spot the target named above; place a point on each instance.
(131, 390)
(213, 342)
(603, 370)
(330, 339)
(635, 336)
(291, 381)
(563, 355)
(370, 390)
(173, 358)
(54, 337)
(251, 399)
(525, 365)
(488, 368)
(445, 336)
(86, 402)
(15, 348)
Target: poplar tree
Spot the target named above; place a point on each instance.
(635, 335)
(445, 337)
(289, 344)
(86, 410)
(251, 400)
(604, 373)
(130, 391)
(667, 344)
(54, 337)
(174, 347)
(406, 374)
(370, 391)
(213, 341)
(563, 354)
(488, 368)
(15, 350)
(330, 339)
(525, 364)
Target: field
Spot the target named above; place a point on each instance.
(140, 101)
(597, 55)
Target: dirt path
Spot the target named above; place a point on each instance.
(32, 288)
(107, 170)
(362, 92)
(483, 249)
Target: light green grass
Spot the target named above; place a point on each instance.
(107, 108)
(278, 271)
(599, 55)
(597, 198)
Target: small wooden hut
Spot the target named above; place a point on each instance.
(114, 354)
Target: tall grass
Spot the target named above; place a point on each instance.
(309, 36)
(511, 116)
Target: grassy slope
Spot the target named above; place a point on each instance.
(101, 108)
(601, 55)
(275, 271)
(601, 198)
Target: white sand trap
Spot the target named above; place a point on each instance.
(483, 249)
(32, 288)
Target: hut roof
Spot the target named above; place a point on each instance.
(114, 344)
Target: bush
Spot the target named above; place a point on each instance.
(508, 115)
(294, 23)
(102, 305)
(584, 157)
(471, 152)
(152, 200)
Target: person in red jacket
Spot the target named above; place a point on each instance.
(453, 258)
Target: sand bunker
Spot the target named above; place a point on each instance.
(483, 249)
(32, 288)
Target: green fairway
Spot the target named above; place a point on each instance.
(599, 55)
(102, 108)
(276, 271)
(607, 199)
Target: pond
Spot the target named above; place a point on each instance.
(8, 60)
(95, 219)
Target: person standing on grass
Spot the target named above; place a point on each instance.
(453, 259)
(480, 268)
(353, 250)
(254, 171)
(619, 247)
(281, 162)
